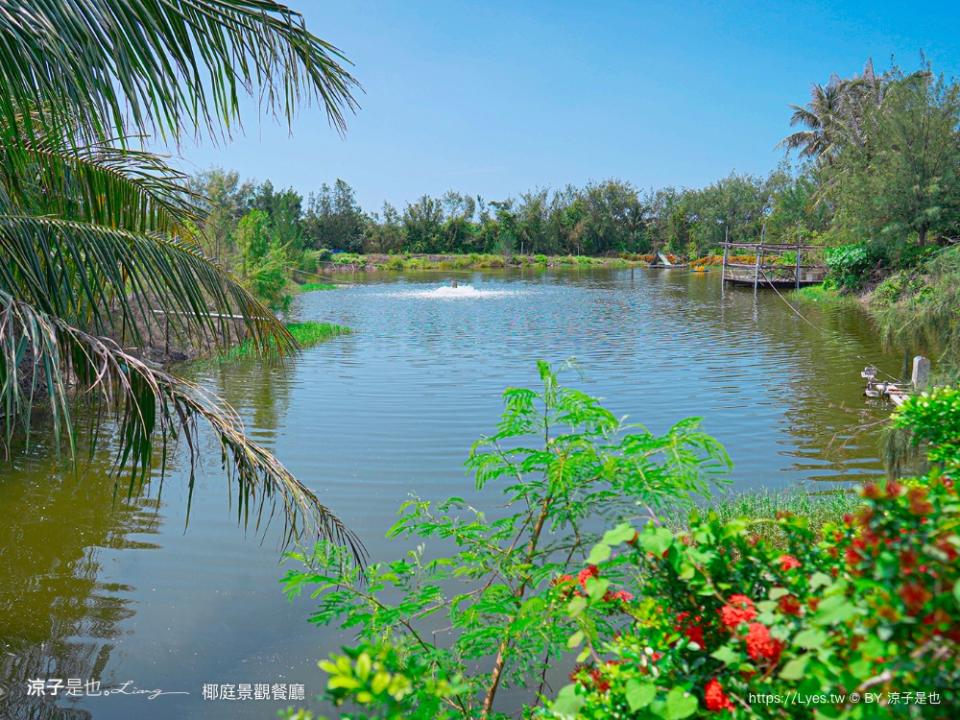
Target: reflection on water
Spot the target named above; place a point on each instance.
(59, 615)
(122, 591)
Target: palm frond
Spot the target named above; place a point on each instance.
(115, 187)
(43, 355)
(109, 280)
(157, 66)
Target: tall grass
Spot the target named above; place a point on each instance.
(918, 308)
(306, 334)
(762, 509)
(315, 286)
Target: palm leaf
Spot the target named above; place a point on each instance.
(106, 280)
(41, 354)
(111, 186)
(161, 65)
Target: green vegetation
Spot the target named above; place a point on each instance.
(558, 459)
(99, 239)
(824, 295)
(918, 307)
(766, 595)
(315, 286)
(306, 334)
(764, 508)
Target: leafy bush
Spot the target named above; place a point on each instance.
(934, 418)
(562, 462)
(349, 259)
(727, 622)
(719, 616)
(849, 264)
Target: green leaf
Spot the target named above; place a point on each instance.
(680, 704)
(819, 579)
(640, 694)
(793, 670)
(575, 639)
(568, 703)
(620, 534)
(576, 606)
(726, 655)
(811, 639)
(956, 591)
(597, 588)
(656, 541)
(835, 609)
(598, 554)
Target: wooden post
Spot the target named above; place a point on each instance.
(798, 264)
(921, 372)
(756, 268)
(723, 265)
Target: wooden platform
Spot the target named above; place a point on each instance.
(770, 279)
(766, 271)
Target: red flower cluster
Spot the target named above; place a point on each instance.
(788, 562)
(761, 645)
(914, 596)
(587, 572)
(715, 698)
(789, 605)
(919, 505)
(599, 681)
(739, 609)
(621, 595)
(692, 630)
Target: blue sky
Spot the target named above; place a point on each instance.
(495, 98)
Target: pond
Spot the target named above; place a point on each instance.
(127, 591)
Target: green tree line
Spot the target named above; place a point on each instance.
(876, 163)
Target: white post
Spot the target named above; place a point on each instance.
(921, 372)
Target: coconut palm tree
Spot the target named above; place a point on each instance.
(822, 117)
(837, 112)
(97, 235)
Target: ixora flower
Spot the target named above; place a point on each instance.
(789, 605)
(692, 630)
(761, 645)
(587, 572)
(739, 609)
(714, 697)
(788, 562)
(919, 505)
(914, 596)
(621, 595)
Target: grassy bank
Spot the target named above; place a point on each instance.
(762, 509)
(351, 262)
(315, 286)
(917, 308)
(824, 295)
(306, 334)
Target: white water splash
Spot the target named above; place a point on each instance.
(448, 292)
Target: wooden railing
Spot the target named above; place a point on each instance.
(771, 274)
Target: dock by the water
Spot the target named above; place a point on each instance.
(768, 268)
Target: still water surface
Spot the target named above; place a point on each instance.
(126, 591)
